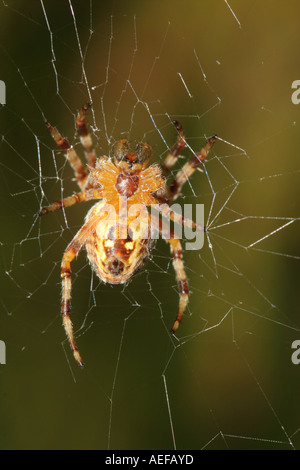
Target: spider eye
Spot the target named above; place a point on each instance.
(120, 149)
(143, 151)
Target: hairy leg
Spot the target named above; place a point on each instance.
(69, 255)
(188, 169)
(85, 136)
(71, 155)
(71, 200)
(174, 153)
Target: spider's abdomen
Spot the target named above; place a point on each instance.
(116, 261)
(116, 250)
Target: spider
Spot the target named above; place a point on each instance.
(117, 248)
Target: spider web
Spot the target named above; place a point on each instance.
(226, 380)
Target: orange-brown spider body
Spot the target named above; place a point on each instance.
(122, 239)
(118, 230)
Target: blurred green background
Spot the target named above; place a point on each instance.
(228, 380)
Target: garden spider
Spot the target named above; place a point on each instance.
(116, 247)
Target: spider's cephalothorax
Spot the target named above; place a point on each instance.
(117, 232)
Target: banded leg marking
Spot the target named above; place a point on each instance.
(188, 169)
(175, 151)
(178, 218)
(69, 255)
(71, 200)
(66, 298)
(71, 155)
(85, 136)
(66, 202)
(176, 252)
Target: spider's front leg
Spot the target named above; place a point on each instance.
(188, 169)
(85, 136)
(174, 153)
(71, 155)
(69, 255)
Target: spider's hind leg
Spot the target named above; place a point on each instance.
(70, 254)
(176, 252)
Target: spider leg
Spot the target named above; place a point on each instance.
(188, 169)
(69, 255)
(85, 136)
(71, 155)
(71, 200)
(166, 211)
(174, 153)
(176, 252)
